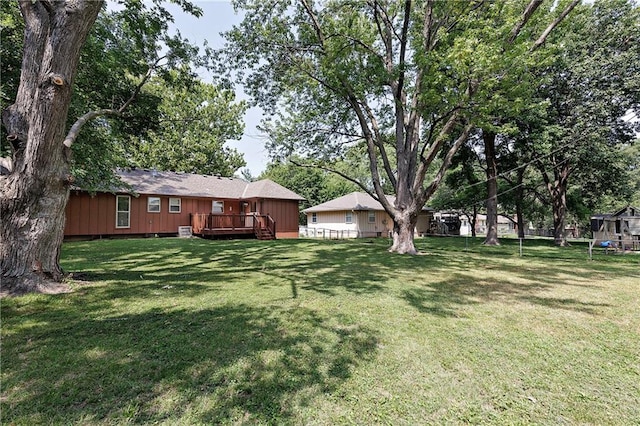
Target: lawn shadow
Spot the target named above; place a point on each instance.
(226, 364)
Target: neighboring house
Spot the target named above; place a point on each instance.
(355, 215)
(505, 225)
(622, 227)
(452, 223)
(160, 203)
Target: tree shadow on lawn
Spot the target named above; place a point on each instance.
(195, 267)
(323, 267)
(444, 298)
(218, 365)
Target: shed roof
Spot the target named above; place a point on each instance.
(628, 211)
(356, 201)
(145, 181)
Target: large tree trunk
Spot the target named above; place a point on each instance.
(558, 191)
(489, 139)
(35, 192)
(403, 232)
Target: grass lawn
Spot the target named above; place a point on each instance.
(188, 331)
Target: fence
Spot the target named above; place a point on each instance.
(334, 234)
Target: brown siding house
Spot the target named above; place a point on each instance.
(161, 202)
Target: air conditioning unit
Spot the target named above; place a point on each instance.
(185, 231)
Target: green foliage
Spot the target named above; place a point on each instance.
(592, 82)
(632, 153)
(11, 34)
(194, 124)
(124, 47)
(315, 185)
(336, 79)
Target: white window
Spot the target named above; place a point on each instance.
(217, 207)
(175, 205)
(123, 211)
(314, 217)
(348, 217)
(371, 216)
(153, 204)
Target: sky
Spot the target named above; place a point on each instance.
(219, 16)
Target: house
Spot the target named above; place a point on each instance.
(164, 203)
(621, 227)
(355, 215)
(505, 225)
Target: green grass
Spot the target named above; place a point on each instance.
(187, 331)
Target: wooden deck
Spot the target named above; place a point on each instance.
(263, 227)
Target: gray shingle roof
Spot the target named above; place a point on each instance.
(354, 201)
(266, 188)
(187, 184)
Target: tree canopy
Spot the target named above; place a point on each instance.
(107, 65)
(404, 80)
(194, 123)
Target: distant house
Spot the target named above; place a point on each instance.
(622, 227)
(453, 223)
(166, 203)
(505, 225)
(355, 215)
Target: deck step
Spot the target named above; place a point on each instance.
(264, 234)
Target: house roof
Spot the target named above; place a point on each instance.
(628, 211)
(266, 188)
(354, 201)
(145, 181)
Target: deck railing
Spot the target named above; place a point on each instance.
(208, 223)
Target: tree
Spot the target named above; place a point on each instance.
(35, 184)
(463, 189)
(592, 82)
(35, 192)
(401, 79)
(489, 139)
(315, 185)
(194, 125)
(632, 153)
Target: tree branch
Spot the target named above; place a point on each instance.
(337, 172)
(73, 133)
(528, 12)
(316, 24)
(380, 144)
(427, 193)
(554, 24)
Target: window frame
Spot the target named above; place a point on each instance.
(149, 205)
(348, 217)
(179, 205)
(371, 214)
(128, 211)
(220, 203)
(314, 217)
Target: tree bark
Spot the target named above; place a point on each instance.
(489, 139)
(34, 194)
(558, 191)
(403, 233)
(473, 220)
